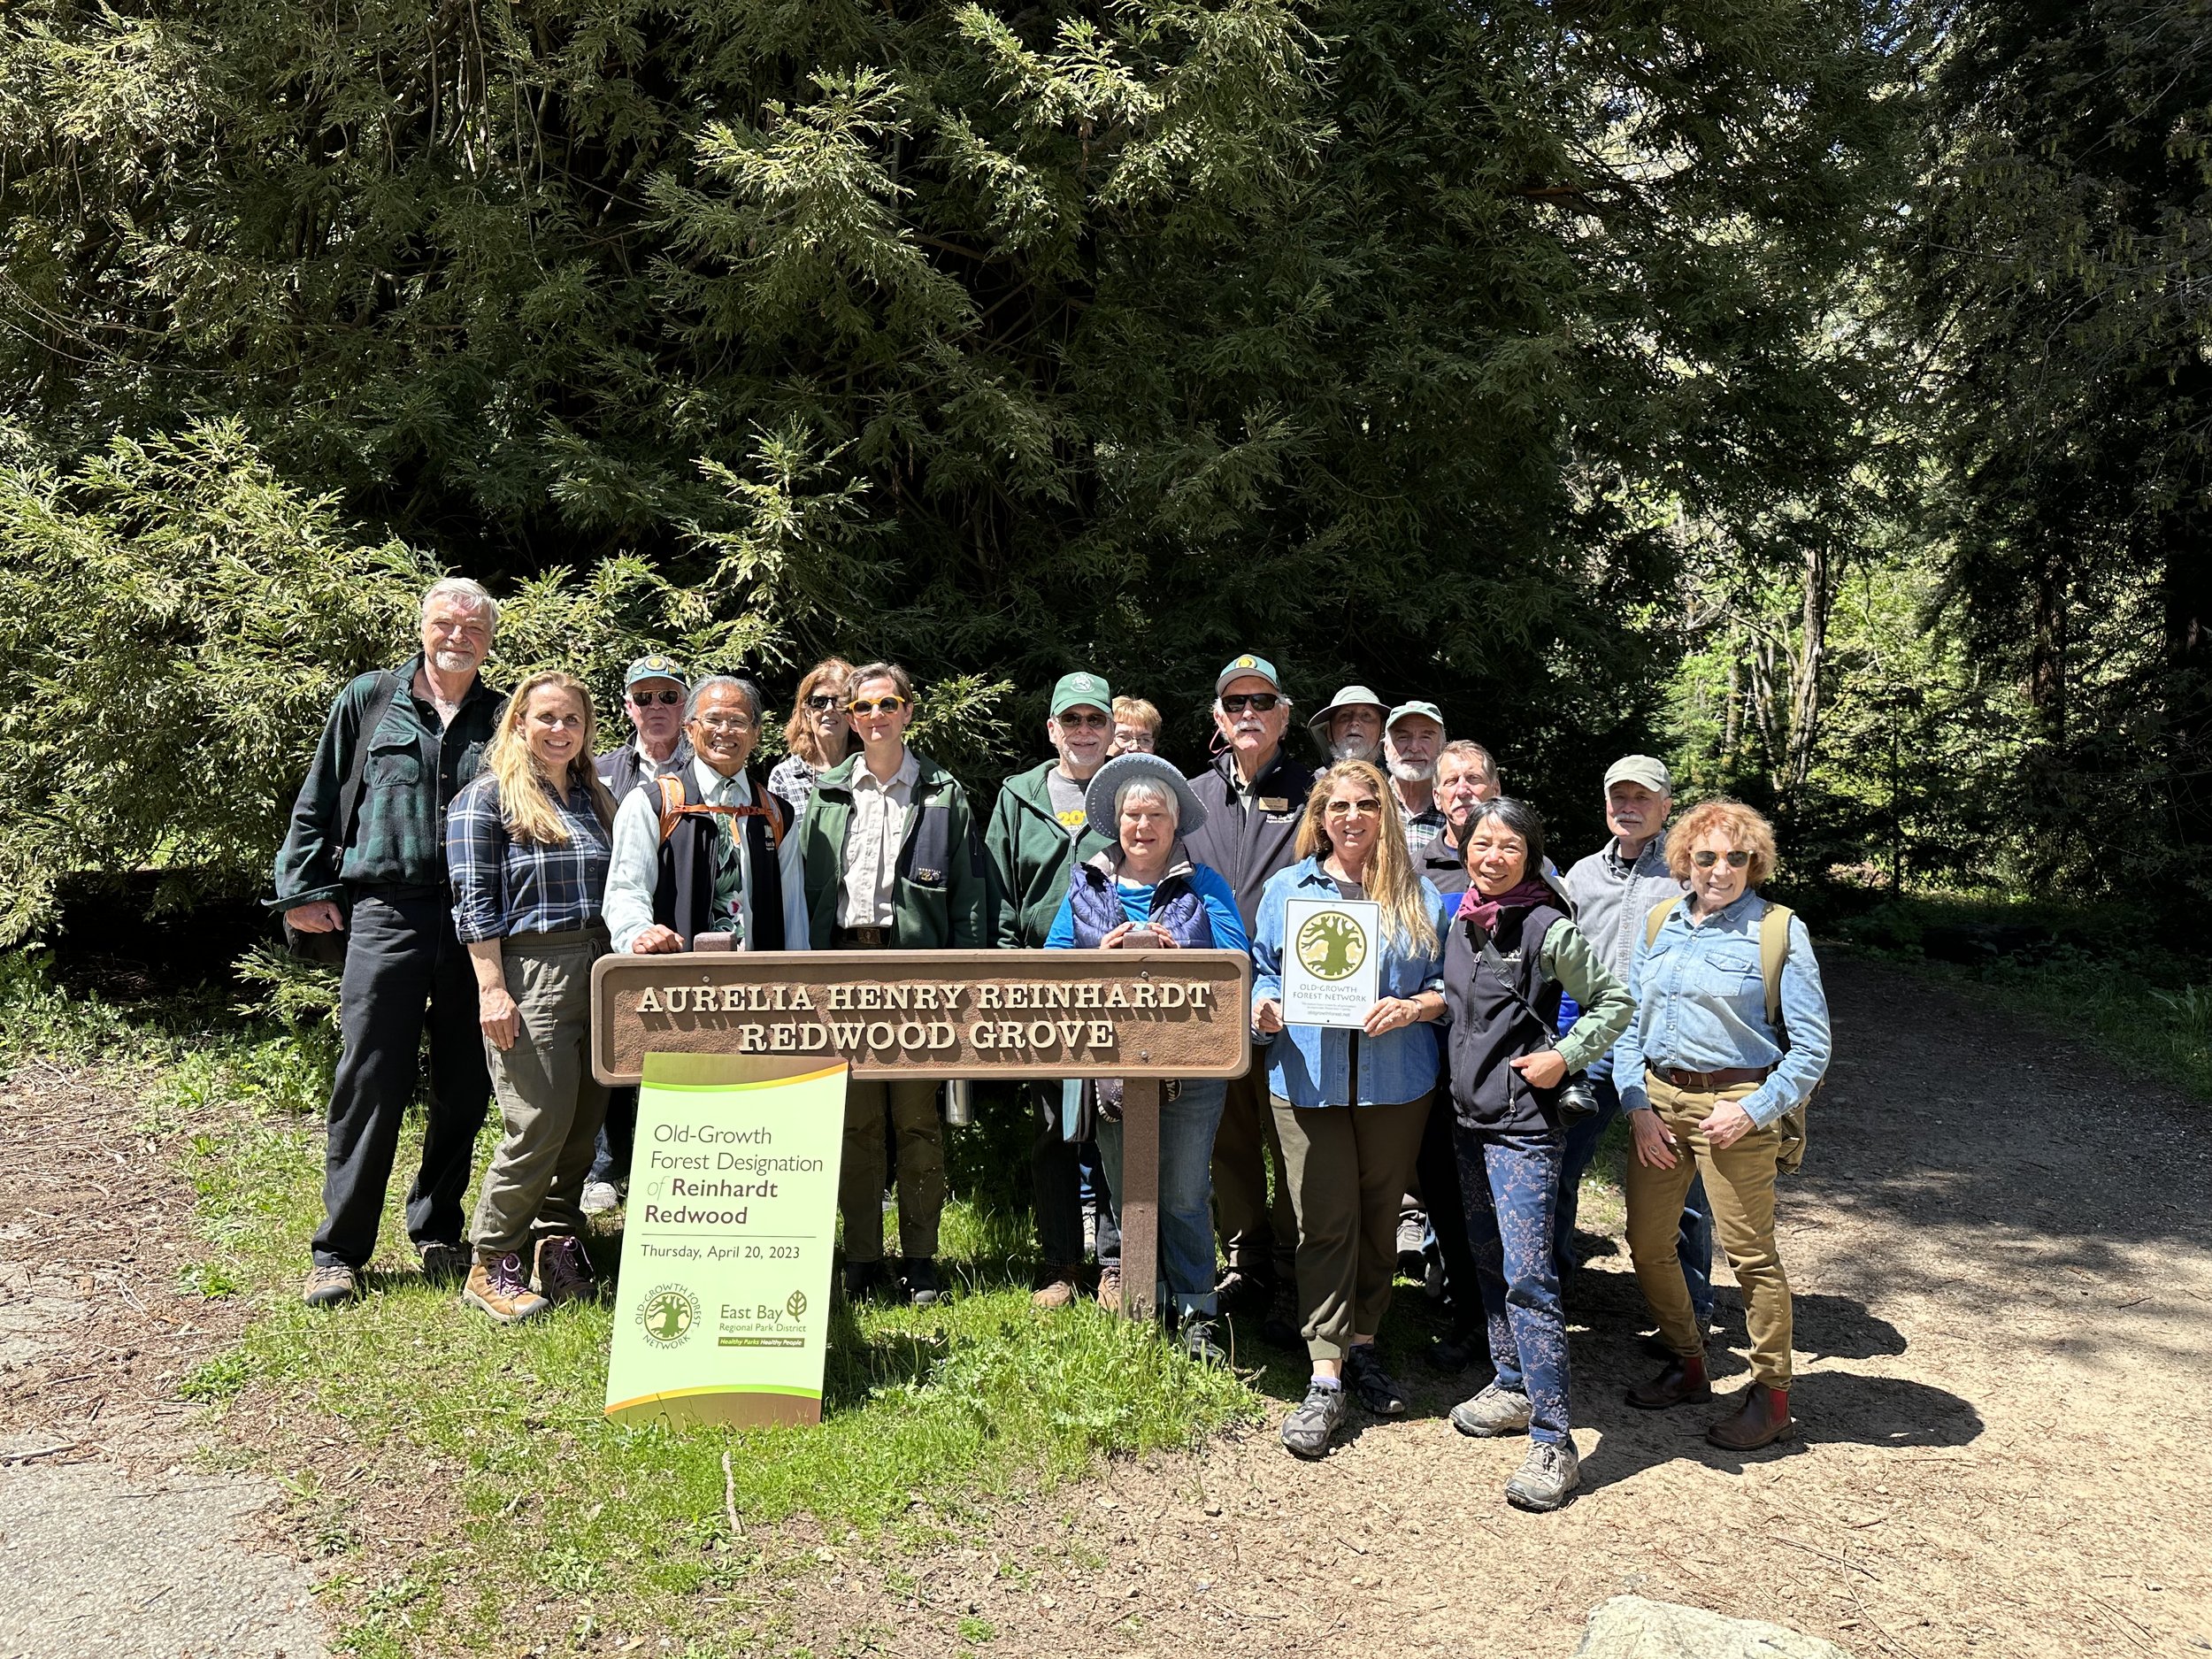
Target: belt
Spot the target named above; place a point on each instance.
(864, 938)
(539, 941)
(1706, 1082)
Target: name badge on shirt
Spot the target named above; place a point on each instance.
(929, 878)
(1274, 804)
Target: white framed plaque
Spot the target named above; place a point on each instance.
(1331, 961)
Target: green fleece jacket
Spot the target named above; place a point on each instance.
(939, 901)
(1031, 854)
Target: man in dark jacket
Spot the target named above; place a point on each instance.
(1254, 794)
(365, 855)
(1038, 834)
(1466, 778)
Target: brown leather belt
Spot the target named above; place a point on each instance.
(1708, 1082)
(864, 938)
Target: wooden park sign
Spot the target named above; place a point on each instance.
(1141, 1015)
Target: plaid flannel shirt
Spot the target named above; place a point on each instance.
(503, 886)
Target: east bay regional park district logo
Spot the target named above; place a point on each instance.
(667, 1314)
(1331, 945)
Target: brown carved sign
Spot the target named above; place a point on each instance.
(931, 1013)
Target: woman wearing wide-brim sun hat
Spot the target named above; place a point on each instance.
(1145, 892)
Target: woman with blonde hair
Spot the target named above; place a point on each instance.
(1349, 1103)
(817, 734)
(526, 847)
(1731, 1038)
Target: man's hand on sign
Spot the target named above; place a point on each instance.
(1267, 1015)
(320, 917)
(495, 1013)
(656, 941)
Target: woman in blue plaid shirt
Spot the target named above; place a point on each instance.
(526, 846)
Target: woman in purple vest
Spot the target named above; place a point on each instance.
(1143, 893)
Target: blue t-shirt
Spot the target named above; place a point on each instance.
(1213, 891)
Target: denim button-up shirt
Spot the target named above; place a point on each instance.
(1702, 1006)
(1311, 1065)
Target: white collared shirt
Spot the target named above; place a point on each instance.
(633, 871)
(871, 842)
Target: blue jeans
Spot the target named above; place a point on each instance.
(1509, 1184)
(1694, 1242)
(1187, 1222)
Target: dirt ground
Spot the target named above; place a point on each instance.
(2003, 1267)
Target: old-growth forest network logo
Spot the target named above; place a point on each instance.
(668, 1314)
(1331, 945)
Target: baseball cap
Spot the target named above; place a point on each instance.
(1347, 697)
(1080, 690)
(1647, 770)
(654, 666)
(1404, 709)
(1243, 667)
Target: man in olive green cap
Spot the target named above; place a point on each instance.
(1037, 834)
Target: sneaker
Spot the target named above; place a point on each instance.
(1090, 1233)
(1306, 1430)
(1364, 1376)
(1546, 1477)
(920, 1280)
(1109, 1288)
(1240, 1293)
(445, 1263)
(1411, 1256)
(330, 1287)
(599, 1197)
(1199, 1340)
(1058, 1290)
(564, 1270)
(1281, 1325)
(1492, 1412)
(501, 1288)
(864, 1281)
(1433, 1277)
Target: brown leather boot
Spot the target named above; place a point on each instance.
(1763, 1418)
(1682, 1383)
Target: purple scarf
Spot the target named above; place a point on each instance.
(1532, 892)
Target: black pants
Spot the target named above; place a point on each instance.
(1057, 1181)
(402, 965)
(1436, 1167)
(617, 1138)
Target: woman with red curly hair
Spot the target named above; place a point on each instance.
(1708, 1071)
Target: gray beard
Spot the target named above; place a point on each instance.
(453, 661)
(1406, 772)
(1352, 748)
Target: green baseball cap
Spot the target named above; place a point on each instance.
(1246, 666)
(654, 666)
(1404, 709)
(1648, 769)
(1081, 691)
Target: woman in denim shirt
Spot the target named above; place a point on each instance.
(1349, 1105)
(1703, 1079)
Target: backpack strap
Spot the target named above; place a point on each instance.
(1657, 919)
(671, 794)
(1774, 950)
(372, 713)
(674, 808)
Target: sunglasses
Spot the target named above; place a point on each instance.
(1087, 722)
(1366, 806)
(822, 699)
(1258, 701)
(1736, 856)
(873, 705)
(666, 699)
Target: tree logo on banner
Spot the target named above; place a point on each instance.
(668, 1313)
(1331, 946)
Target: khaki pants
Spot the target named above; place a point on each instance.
(1259, 1235)
(1739, 1183)
(549, 1102)
(912, 1105)
(1346, 1167)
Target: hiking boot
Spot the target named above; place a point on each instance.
(445, 1263)
(1306, 1430)
(1680, 1383)
(564, 1270)
(1059, 1289)
(1546, 1477)
(1366, 1379)
(1494, 1411)
(1239, 1291)
(501, 1288)
(1109, 1288)
(1199, 1340)
(1762, 1418)
(599, 1197)
(1281, 1325)
(920, 1281)
(330, 1286)
(864, 1281)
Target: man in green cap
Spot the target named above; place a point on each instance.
(1037, 834)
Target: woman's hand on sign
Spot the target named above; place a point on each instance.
(1725, 1125)
(1267, 1015)
(1393, 1013)
(1135, 936)
(495, 1013)
(656, 941)
(1655, 1147)
(1544, 1069)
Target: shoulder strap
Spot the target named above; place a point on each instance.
(379, 705)
(1657, 919)
(671, 793)
(1488, 952)
(1774, 949)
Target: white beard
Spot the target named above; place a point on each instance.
(1408, 771)
(453, 661)
(1352, 748)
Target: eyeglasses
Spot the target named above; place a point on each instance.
(1085, 722)
(1366, 806)
(647, 699)
(822, 699)
(725, 722)
(873, 705)
(1736, 856)
(1258, 701)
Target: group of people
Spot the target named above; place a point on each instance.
(476, 854)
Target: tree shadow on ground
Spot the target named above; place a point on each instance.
(858, 1364)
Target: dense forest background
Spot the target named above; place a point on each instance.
(1815, 390)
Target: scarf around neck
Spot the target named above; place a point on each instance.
(1526, 896)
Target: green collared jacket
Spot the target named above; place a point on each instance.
(940, 891)
(1032, 854)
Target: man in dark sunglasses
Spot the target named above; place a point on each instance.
(653, 693)
(1254, 794)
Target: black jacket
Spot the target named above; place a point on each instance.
(1248, 848)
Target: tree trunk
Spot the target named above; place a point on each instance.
(1805, 704)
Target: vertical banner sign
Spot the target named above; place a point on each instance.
(723, 1305)
(1332, 963)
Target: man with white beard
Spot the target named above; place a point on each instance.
(1350, 728)
(1412, 738)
